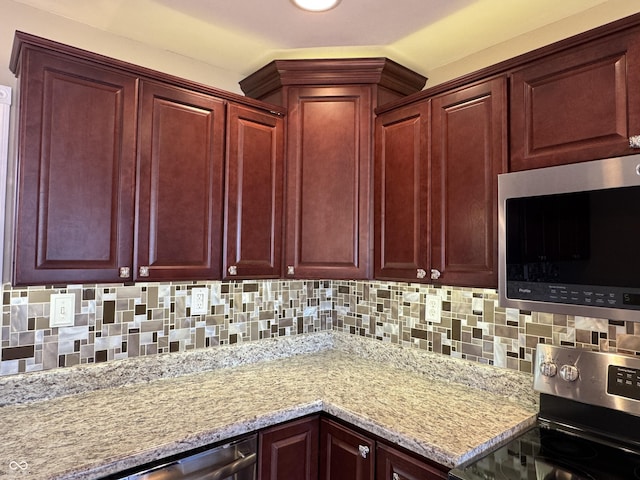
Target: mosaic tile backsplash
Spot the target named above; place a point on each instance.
(120, 321)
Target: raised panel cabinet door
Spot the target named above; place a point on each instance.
(344, 453)
(180, 184)
(579, 105)
(75, 186)
(392, 464)
(401, 189)
(253, 200)
(328, 205)
(290, 451)
(469, 150)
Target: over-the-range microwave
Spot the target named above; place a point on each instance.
(569, 239)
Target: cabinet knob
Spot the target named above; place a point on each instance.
(233, 270)
(291, 270)
(395, 476)
(634, 141)
(125, 272)
(435, 274)
(420, 273)
(364, 450)
(143, 271)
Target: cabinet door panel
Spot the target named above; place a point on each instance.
(76, 172)
(253, 206)
(469, 151)
(401, 193)
(577, 106)
(345, 454)
(180, 161)
(290, 451)
(392, 464)
(328, 182)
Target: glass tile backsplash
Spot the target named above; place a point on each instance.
(120, 321)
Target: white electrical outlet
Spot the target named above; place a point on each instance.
(199, 301)
(62, 310)
(434, 308)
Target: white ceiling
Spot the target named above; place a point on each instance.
(242, 35)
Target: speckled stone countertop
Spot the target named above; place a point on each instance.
(403, 396)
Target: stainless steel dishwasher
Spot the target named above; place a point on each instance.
(232, 461)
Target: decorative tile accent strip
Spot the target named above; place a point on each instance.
(123, 321)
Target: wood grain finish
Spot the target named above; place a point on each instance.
(180, 183)
(578, 105)
(254, 188)
(290, 451)
(402, 193)
(469, 151)
(340, 454)
(392, 464)
(328, 182)
(74, 220)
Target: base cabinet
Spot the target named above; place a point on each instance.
(345, 454)
(392, 464)
(290, 451)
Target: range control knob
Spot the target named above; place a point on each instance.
(548, 369)
(569, 373)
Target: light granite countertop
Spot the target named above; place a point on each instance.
(75, 430)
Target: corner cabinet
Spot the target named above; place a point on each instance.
(329, 160)
(121, 173)
(576, 105)
(345, 454)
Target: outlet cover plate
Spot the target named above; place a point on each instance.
(434, 308)
(62, 310)
(199, 301)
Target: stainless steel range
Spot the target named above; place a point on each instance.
(588, 426)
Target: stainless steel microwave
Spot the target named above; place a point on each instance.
(569, 239)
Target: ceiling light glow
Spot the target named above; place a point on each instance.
(316, 5)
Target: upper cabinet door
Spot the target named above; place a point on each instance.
(579, 105)
(328, 218)
(469, 142)
(402, 193)
(253, 202)
(180, 184)
(74, 217)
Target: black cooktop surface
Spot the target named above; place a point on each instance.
(545, 454)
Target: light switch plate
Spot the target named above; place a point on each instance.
(199, 301)
(63, 310)
(434, 308)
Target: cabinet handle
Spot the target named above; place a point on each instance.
(233, 270)
(364, 450)
(634, 141)
(291, 270)
(143, 271)
(125, 272)
(420, 273)
(435, 274)
(395, 476)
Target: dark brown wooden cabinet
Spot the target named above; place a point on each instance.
(290, 451)
(402, 220)
(344, 453)
(328, 214)
(179, 184)
(328, 182)
(392, 464)
(121, 173)
(254, 194)
(76, 172)
(469, 150)
(576, 105)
